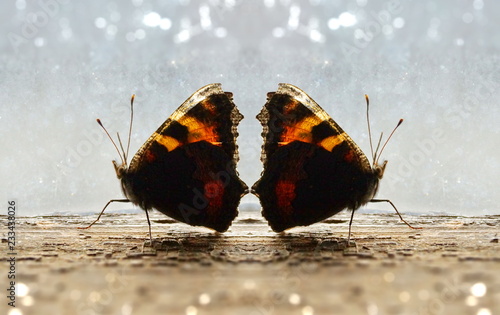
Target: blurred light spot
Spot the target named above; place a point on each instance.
(387, 29)
(191, 310)
(372, 309)
(204, 299)
(111, 30)
(278, 32)
(347, 19)
(307, 310)
(471, 300)
(359, 33)
(94, 296)
(165, 24)
(204, 10)
(130, 36)
(484, 311)
(459, 41)
(100, 22)
(478, 4)
(20, 4)
(28, 301)
(249, 285)
(115, 16)
(140, 34)
(15, 311)
(294, 299)
(316, 36)
(230, 3)
(398, 22)
(182, 36)
(137, 3)
(423, 295)
(313, 23)
(152, 19)
(39, 41)
(126, 309)
(205, 22)
(432, 33)
(478, 289)
(294, 10)
(269, 3)
(221, 32)
(22, 289)
(293, 19)
(75, 295)
(66, 33)
(110, 277)
(333, 24)
(404, 296)
(361, 3)
(467, 17)
(389, 277)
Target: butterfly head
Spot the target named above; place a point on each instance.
(379, 169)
(120, 169)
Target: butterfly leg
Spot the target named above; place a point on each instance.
(387, 200)
(100, 214)
(349, 234)
(149, 225)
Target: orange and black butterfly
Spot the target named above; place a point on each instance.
(187, 167)
(312, 168)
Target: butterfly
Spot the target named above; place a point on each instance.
(312, 168)
(187, 167)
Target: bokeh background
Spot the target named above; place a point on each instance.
(434, 63)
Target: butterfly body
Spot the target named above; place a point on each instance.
(187, 168)
(312, 168)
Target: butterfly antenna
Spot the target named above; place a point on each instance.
(131, 120)
(121, 147)
(378, 146)
(112, 141)
(368, 122)
(385, 143)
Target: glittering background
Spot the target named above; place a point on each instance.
(435, 63)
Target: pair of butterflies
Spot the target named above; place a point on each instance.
(187, 168)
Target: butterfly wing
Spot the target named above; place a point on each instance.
(187, 168)
(312, 168)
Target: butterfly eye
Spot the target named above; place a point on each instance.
(380, 169)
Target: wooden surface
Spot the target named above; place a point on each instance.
(451, 266)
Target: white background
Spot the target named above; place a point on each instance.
(434, 63)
